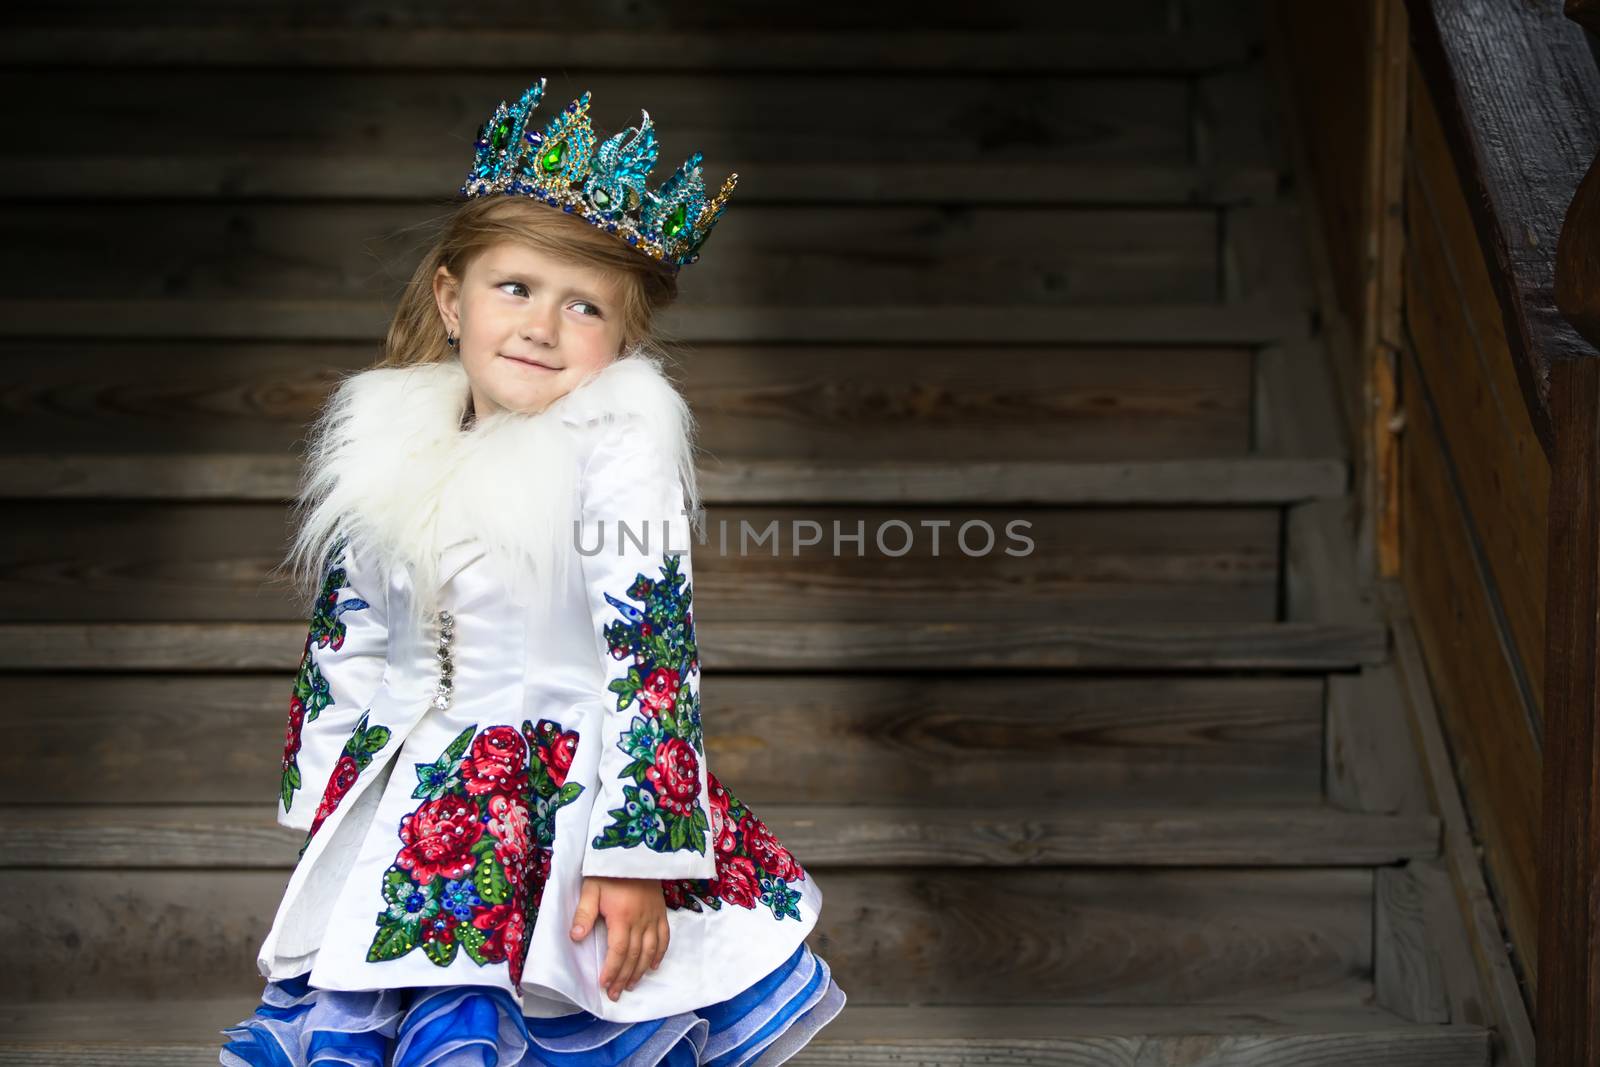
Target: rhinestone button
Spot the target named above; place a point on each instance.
(446, 684)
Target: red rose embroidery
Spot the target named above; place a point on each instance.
(723, 831)
(660, 691)
(558, 755)
(676, 892)
(514, 862)
(515, 936)
(676, 775)
(508, 821)
(345, 773)
(766, 849)
(507, 928)
(438, 838)
(498, 762)
(738, 882)
(291, 737)
(540, 875)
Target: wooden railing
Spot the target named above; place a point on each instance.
(1519, 89)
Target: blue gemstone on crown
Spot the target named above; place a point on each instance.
(562, 165)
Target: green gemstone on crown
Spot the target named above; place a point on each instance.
(675, 222)
(501, 134)
(550, 159)
(601, 197)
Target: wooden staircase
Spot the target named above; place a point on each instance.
(1143, 796)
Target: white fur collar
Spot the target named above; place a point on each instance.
(389, 466)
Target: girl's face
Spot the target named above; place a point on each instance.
(531, 327)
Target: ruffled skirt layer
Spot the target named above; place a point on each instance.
(299, 1025)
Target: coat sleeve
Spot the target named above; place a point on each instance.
(340, 670)
(650, 817)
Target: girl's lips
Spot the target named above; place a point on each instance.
(531, 363)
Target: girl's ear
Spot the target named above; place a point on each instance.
(447, 295)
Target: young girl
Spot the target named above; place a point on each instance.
(516, 852)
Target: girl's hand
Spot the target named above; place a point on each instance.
(635, 912)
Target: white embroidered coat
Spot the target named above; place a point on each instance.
(460, 760)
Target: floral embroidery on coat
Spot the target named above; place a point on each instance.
(311, 695)
(363, 744)
(752, 865)
(662, 808)
(475, 855)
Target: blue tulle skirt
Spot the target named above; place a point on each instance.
(298, 1025)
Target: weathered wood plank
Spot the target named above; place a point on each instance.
(1263, 1033)
(782, 646)
(1372, 762)
(276, 176)
(1233, 119)
(1459, 340)
(641, 16)
(1501, 1005)
(1140, 740)
(1408, 976)
(445, 48)
(224, 477)
(1486, 697)
(806, 257)
(1321, 580)
(947, 116)
(1518, 96)
(1312, 54)
(353, 320)
(1292, 413)
(1446, 934)
(827, 835)
(1095, 935)
(88, 561)
(916, 402)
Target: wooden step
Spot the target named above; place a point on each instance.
(826, 835)
(1046, 741)
(661, 16)
(320, 176)
(148, 561)
(756, 646)
(250, 476)
(792, 49)
(822, 259)
(825, 403)
(894, 935)
(735, 118)
(130, 1033)
(354, 320)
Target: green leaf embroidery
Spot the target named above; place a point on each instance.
(442, 953)
(472, 940)
(393, 941)
(490, 878)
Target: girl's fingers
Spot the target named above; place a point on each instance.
(615, 947)
(663, 935)
(583, 916)
(631, 967)
(620, 975)
(647, 952)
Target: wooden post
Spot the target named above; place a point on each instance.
(1569, 847)
(1384, 291)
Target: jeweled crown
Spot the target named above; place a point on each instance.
(561, 166)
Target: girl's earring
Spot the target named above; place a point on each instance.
(450, 340)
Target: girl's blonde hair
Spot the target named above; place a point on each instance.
(417, 333)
